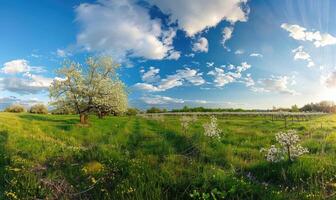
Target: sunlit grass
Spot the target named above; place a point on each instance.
(50, 156)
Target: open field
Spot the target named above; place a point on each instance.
(52, 157)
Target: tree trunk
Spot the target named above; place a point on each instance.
(83, 118)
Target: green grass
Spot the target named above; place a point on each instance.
(53, 157)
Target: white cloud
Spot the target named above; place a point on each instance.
(19, 66)
(227, 34)
(201, 45)
(194, 16)
(24, 79)
(239, 52)
(191, 55)
(159, 100)
(122, 28)
(221, 78)
(210, 64)
(188, 75)
(152, 75)
(62, 53)
(31, 84)
(174, 55)
(278, 84)
(300, 33)
(16, 66)
(163, 100)
(256, 55)
(300, 54)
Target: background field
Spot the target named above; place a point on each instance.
(49, 156)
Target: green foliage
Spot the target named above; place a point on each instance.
(323, 106)
(132, 111)
(15, 108)
(156, 110)
(39, 109)
(295, 108)
(51, 157)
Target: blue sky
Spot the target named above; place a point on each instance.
(211, 53)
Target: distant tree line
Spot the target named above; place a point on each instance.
(323, 106)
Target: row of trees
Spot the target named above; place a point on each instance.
(202, 109)
(323, 106)
(36, 109)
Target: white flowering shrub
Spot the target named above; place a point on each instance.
(288, 147)
(185, 122)
(211, 129)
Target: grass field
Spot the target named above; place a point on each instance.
(53, 157)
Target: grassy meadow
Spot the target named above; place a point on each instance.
(53, 157)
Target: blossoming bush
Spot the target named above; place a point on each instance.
(211, 129)
(288, 147)
(185, 122)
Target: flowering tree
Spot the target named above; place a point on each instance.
(93, 88)
(211, 129)
(289, 147)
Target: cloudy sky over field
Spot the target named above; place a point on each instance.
(211, 53)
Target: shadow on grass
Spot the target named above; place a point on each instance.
(49, 118)
(63, 124)
(4, 160)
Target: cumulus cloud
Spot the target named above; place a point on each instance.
(152, 75)
(279, 84)
(300, 33)
(22, 78)
(123, 28)
(222, 78)
(227, 34)
(201, 45)
(18, 66)
(300, 54)
(194, 16)
(29, 84)
(181, 77)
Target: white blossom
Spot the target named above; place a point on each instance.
(288, 147)
(185, 122)
(211, 129)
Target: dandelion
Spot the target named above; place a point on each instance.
(288, 146)
(211, 129)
